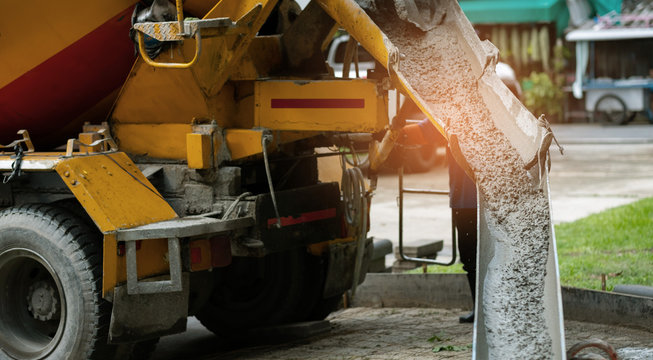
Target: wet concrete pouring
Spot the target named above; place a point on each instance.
(438, 64)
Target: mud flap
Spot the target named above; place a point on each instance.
(340, 269)
(309, 215)
(146, 316)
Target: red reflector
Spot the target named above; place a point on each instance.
(195, 255)
(305, 217)
(317, 103)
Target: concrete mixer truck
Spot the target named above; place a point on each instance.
(159, 162)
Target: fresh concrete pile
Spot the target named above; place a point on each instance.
(469, 101)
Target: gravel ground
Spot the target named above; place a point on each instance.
(402, 333)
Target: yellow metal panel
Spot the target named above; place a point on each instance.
(113, 191)
(166, 141)
(243, 143)
(221, 55)
(157, 96)
(334, 105)
(151, 257)
(263, 54)
(109, 263)
(198, 150)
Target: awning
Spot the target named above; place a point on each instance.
(517, 12)
(609, 34)
(513, 11)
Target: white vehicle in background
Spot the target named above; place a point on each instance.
(417, 159)
(336, 59)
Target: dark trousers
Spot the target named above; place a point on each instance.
(465, 222)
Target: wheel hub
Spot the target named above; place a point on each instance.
(42, 301)
(33, 311)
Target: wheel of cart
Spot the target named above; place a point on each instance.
(617, 102)
(610, 109)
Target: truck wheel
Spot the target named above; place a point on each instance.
(144, 350)
(325, 307)
(50, 273)
(257, 292)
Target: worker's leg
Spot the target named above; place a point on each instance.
(465, 220)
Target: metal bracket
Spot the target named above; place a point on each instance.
(154, 287)
(25, 140)
(107, 139)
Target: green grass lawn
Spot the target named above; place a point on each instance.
(617, 242)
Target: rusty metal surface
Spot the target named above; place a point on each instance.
(183, 227)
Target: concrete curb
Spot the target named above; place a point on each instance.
(451, 291)
(603, 141)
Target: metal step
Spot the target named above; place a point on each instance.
(183, 227)
(172, 230)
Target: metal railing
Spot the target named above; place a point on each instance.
(403, 191)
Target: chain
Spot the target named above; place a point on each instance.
(15, 166)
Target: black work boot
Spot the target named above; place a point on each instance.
(469, 318)
(471, 279)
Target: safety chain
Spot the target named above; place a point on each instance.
(15, 166)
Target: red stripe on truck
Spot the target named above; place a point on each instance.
(63, 87)
(304, 217)
(317, 103)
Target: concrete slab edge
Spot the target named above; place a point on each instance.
(452, 291)
(604, 141)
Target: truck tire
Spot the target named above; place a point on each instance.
(144, 350)
(50, 273)
(258, 292)
(324, 307)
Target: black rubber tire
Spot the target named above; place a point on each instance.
(610, 117)
(50, 244)
(144, 349)
(258, 292)
(324, 307)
